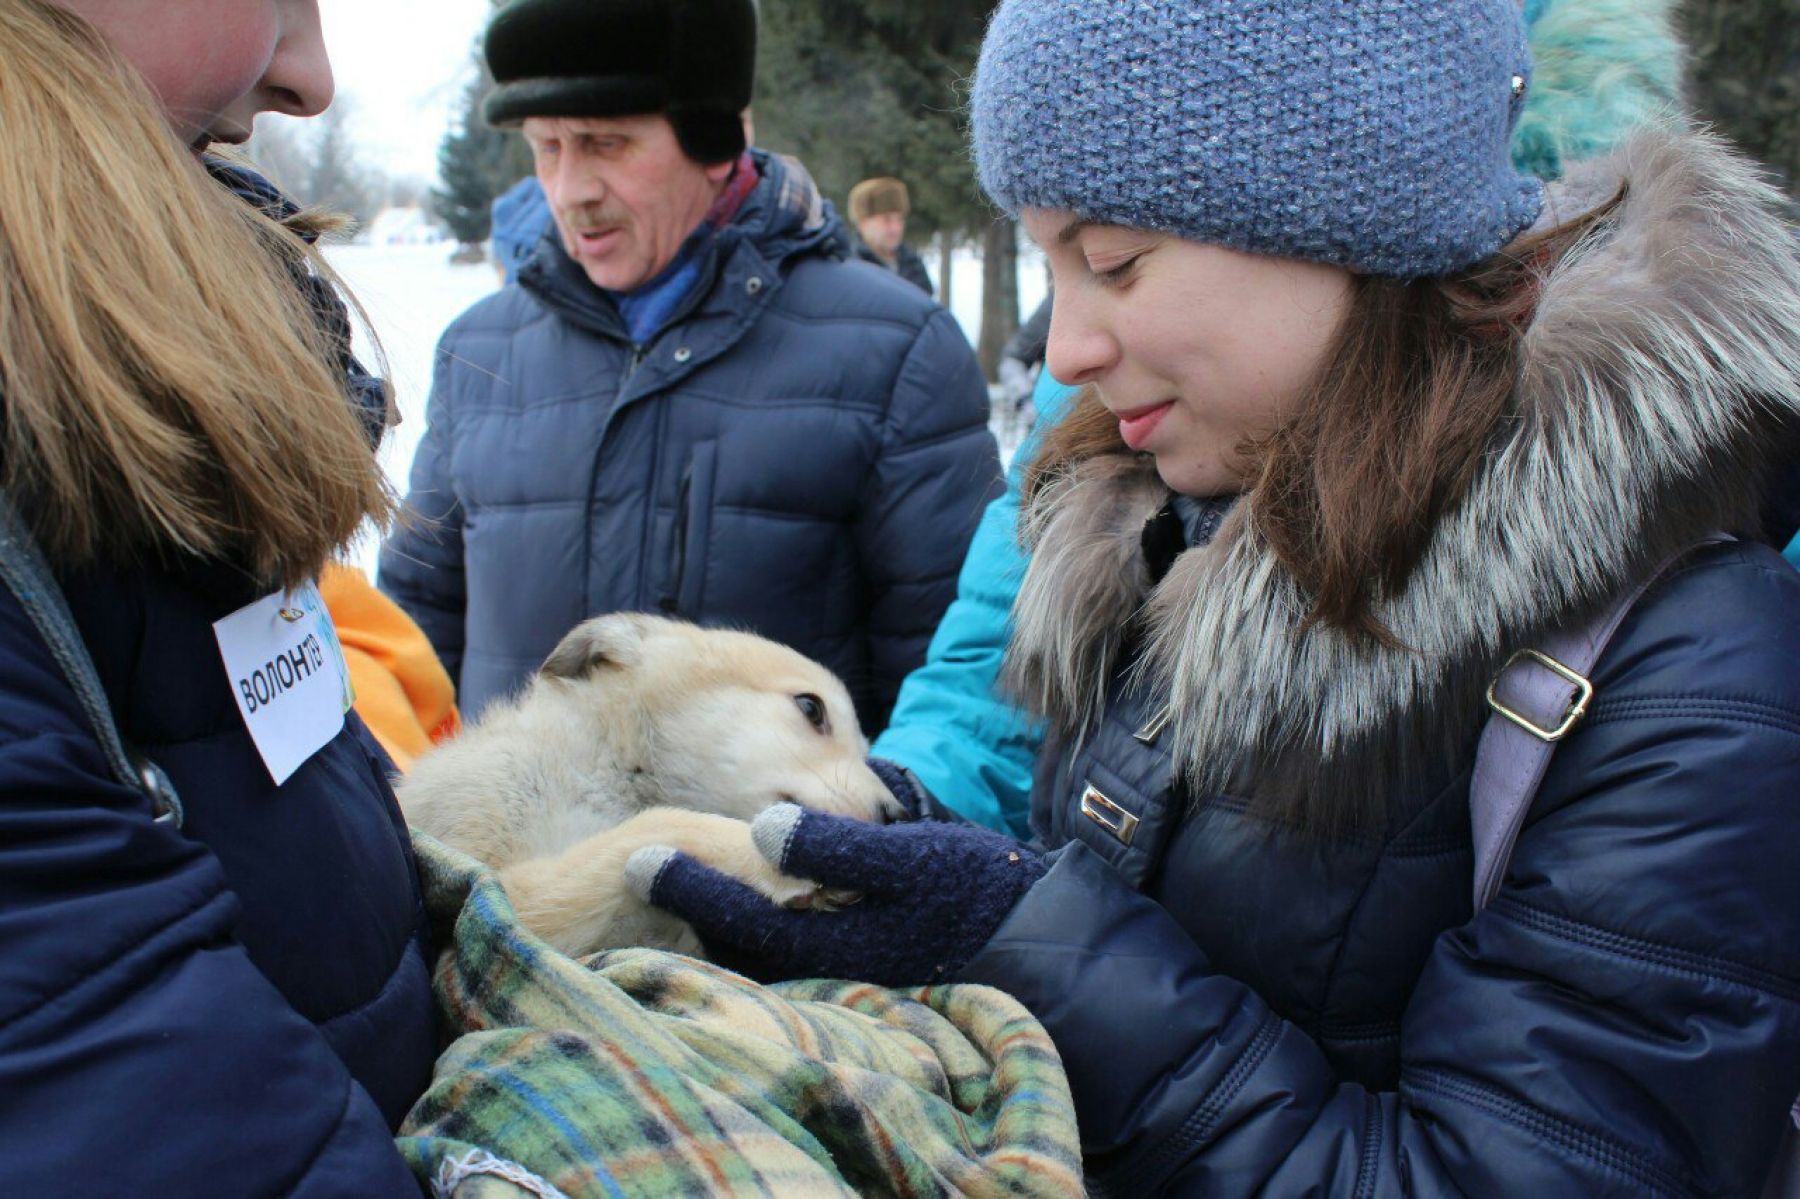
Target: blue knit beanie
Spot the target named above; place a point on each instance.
(1371, 134)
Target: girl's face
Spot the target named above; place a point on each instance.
(1195, 348)
(216, 64)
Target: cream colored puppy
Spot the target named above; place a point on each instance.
(642, 731)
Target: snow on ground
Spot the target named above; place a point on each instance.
(410, 293)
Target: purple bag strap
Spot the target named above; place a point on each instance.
(1537, 699)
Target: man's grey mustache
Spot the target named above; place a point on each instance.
(586, 220)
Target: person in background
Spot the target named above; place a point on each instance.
(403, 692)
(233, 999)
(1604, 68)
(878, 209)
(1025, 348)
(1022, 361)
(521, 218)
(690, 403)
(1367, 414)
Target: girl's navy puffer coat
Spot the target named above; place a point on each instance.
(1247, 1006)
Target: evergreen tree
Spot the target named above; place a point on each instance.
(279, 149)
(317, 164)
(338, 179)
(999, 293)
(476, 162)
(1745, 75)
(856, 88)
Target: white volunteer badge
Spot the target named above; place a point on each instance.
(288, 676)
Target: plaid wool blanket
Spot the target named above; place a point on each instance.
(642, 1073)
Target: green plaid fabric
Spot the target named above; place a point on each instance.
(639, 1072)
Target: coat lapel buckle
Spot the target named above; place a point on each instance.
(1108, 815)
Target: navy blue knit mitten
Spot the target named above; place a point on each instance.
(923, 898)
(914, 796)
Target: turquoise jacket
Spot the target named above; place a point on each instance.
(972, 749)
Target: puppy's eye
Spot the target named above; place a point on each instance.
(813, 708)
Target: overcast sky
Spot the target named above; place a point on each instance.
(402, 65)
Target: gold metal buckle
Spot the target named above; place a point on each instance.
(1584, 694)
(1108, 815)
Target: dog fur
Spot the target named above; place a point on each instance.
(641, 731)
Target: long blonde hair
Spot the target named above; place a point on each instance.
(167, 389)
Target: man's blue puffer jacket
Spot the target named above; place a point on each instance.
(801, 452)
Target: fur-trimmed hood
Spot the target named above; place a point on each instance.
(1660, 372)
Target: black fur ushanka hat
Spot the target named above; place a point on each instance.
(692, 59)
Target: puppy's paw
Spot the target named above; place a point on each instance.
(720, 842)
(820, 898)
(644, 866)
(783, 890)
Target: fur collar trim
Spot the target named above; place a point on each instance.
(1663, 360)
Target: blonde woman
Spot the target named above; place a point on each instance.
(236, 1004)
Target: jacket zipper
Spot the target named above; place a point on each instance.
(587, 570)
(671, 600)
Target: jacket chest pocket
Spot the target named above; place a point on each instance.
(1118, 795)
(684, 577)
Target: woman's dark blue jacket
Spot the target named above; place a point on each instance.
(1251, 1006)
(238, 1007)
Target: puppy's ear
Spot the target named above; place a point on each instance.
(606, 641)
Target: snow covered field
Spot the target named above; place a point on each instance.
(411, 293)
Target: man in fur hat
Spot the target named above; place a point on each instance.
(878, 209)
(687, 401)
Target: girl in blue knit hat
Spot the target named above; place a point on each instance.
(1418, 817)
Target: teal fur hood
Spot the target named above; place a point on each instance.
(1602, 68)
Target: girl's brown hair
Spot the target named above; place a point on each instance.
(166, 387)
(1388, 439)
